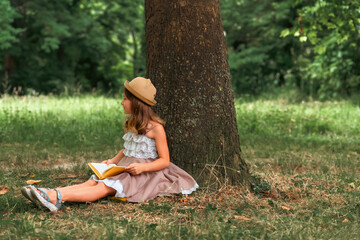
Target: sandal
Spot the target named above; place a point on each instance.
(44, 200)
(26, 192)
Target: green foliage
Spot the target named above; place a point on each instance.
(335, 71)
(333, 29)
(8, 32)
(260, 186)
(324, 17)
(259, 60)
(73, 46)
(311, 45)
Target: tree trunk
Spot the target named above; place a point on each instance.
(186, 59)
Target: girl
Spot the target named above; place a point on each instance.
(149, 172)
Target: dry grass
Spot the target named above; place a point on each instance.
(293, 198)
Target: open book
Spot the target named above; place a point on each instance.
(103, 170)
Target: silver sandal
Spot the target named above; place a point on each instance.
(43, 200)
(26, 192)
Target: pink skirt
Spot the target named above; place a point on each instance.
(148, 185)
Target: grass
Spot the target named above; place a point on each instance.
(56, 128)
(307, 156)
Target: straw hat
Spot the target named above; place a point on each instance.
(143, 89)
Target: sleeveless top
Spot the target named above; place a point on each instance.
(139, 146)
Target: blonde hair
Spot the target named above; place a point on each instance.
(141, 115)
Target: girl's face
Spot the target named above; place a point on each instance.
(126, 103)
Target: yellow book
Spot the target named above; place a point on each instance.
(120, 199)
(103, 170)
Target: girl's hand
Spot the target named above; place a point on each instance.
(109, 161)
(136, 168)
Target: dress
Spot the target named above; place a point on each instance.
(147, 185)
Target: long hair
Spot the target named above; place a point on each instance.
(141, 115)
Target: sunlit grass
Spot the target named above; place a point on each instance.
(316, 120)
(65, 121)
(307, 155)
(297, 134)
(49, 127)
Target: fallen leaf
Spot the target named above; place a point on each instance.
(345, 220)
(285, 208)
(4, 190)
(242, 218)
(202, 207)
(220, 199)
(24, 175)
(30, 182)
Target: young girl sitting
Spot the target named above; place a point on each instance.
(148, 171)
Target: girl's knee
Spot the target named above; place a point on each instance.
(92, 182)
(106, 189)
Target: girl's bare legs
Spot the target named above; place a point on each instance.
(85, 192)
(88, 183)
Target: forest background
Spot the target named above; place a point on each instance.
(284, 57)
(309, 48)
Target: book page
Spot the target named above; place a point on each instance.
(101, 167)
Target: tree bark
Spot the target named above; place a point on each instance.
(187, 61)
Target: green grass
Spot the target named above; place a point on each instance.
(49, 127)
(307, 156)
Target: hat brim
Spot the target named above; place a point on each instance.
(136, 94)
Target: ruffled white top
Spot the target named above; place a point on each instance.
(139, 146)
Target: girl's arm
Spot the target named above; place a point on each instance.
(115, 159)
(162, 148)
